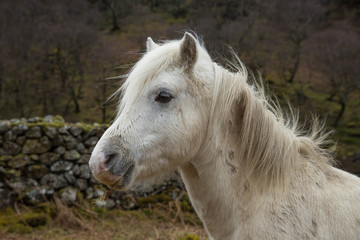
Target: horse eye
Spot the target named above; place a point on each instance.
(163, 97)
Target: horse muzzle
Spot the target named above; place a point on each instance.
(112, 170)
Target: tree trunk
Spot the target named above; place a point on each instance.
(1, 80)
(66, 109)
(44, 94)
(296, 65)
(340, 114)
(75, 100)
(113, 5)
(249, 27)
(332, 95)
(18, 101)
(61, 67)
(115, 22)
(103, 105)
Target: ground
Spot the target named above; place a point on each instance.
(54, 220)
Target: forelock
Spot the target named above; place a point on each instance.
(148, 67)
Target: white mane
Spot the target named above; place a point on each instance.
(274, 140)
(144, 70)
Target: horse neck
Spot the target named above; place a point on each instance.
(259, 146)
(212, 197)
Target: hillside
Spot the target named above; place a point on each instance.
(58, 58)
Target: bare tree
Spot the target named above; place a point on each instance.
(336, 53)
(118, 9)
(18, 68)
(45, 43)
(295, 20)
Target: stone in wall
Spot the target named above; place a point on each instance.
(51, 132)
(72, 155)
(19, 160)
(54, 181)
(34, 132)
(37, 146)
(10, 148)
(68, 195)
(37, 171)
(61, 166)
(49, 158)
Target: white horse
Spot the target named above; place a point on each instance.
(249, 172)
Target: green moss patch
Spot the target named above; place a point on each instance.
(26, 222)
(159, 198)
(189, 237)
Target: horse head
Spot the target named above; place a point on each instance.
(162, 117)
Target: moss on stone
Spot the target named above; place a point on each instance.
(45, 125)
(59, 122)
(20, 155)
(10, 173)
(37, 167)
(34, 157)
(59, 118)
(5, 158)
(86, 127)
(18, 161)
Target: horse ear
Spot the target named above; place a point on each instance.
(150, 44)
(188, 50)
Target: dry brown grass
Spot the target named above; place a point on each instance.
(84, 222)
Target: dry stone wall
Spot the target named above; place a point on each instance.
(42, 158)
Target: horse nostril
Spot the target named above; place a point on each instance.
(109, 159)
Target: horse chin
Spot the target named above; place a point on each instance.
(124, 182)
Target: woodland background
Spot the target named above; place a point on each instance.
(60, 57)
(56, 56)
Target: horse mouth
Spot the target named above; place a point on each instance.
(123, 182)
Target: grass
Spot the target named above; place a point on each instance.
(54, 220)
